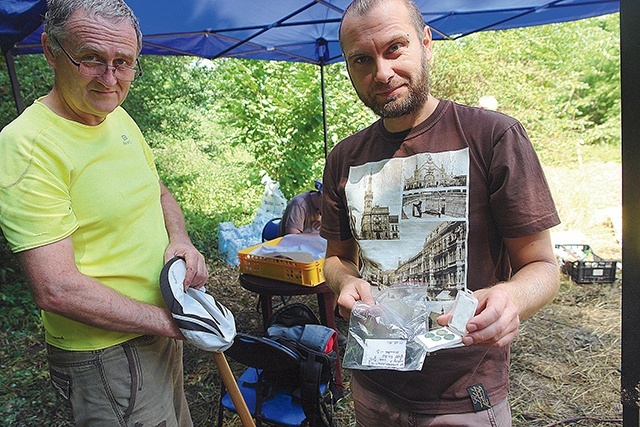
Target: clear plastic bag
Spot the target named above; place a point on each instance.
(450, 336)
(384, 335)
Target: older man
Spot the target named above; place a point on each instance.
(491, 238)
(82, 206)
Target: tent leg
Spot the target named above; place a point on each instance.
(324, 110)
(15, 86)
(630, 97)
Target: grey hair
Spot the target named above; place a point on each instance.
(362, 7)
(59, 12)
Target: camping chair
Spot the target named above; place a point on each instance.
(270, 399)
(271, 229)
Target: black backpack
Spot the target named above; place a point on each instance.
(316, 367)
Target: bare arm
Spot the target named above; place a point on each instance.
(534, 284)
(292, 230)
(341, 273)
(58, 287)
(180, 243)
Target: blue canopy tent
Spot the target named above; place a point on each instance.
(18, 19)
(287, 30)
(300, 30)
(306, 31)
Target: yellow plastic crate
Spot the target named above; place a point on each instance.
(301, 273)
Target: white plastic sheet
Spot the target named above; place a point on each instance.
(231, 238)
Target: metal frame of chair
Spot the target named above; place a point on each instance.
(269, 403)
(271, 229)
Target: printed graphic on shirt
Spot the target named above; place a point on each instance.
(409, 216)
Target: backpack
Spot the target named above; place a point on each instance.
(316, 367)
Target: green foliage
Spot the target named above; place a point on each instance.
(207, 181)
(21, 337)
(564, 94)
(168, 99)
(277, 109)
(35, 80)
(346, 114)
(20, 312)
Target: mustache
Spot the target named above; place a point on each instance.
(394, 83)
(382, 86)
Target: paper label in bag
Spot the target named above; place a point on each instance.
(384, 353)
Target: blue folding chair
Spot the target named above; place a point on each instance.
(271, 230)
(270, 402)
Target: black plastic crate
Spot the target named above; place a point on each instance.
(583, 266)
(597, 270)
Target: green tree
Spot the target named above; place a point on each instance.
(176, 104)
(169, 98)
(276, 108)
(35, 80)
(561, 80)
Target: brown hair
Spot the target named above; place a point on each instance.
(362, 7)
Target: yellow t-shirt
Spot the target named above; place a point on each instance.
(97, 184)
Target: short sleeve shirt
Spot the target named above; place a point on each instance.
(431, 206)
(96, 184)
(302, 214)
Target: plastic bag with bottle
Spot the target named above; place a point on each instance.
(231, 238)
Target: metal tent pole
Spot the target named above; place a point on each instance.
(324, 111)
(630, 95)
(322, 53)
(15, 85)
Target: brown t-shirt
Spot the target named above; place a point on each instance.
(431, 205)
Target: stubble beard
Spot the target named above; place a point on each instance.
(416, 98)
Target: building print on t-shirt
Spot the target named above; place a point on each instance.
(377, 223)
(409, 216)
(445, 195)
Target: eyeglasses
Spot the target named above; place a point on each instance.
(89, 68)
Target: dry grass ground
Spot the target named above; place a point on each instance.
(565, 360)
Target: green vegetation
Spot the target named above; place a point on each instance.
(561, 81)
(217, 127)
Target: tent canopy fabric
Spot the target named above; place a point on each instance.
(283, 30)
(288, 30)
(18, 19)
